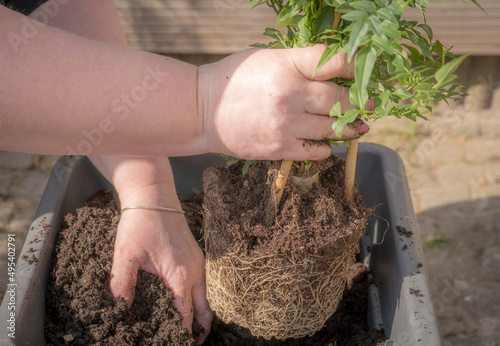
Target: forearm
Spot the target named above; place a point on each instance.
(132, 176)
(64, 94)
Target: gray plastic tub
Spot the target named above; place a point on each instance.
(399, 302)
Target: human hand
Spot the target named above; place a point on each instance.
(161, 243)
(265, 104)
(158, 242)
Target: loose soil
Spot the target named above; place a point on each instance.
(80, 309)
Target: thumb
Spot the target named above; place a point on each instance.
(123, 277)
(306, 59)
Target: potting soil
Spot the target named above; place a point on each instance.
(80, 309)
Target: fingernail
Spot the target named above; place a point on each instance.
(363, 128)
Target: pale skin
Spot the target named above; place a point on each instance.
(77, 77)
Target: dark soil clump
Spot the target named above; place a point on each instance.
(80, 307)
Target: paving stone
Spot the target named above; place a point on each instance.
(47, 162)
(435, 151)
(460, 175)
(485, 192)
(4, 187)
(29, 186)
(482, 149)
(478, 98)
(438, 196)
(490, 127)
(426, 224)
(488, 328)
(420, 177)
(458, 123)
(21, 220)
(495, 100)
(490, 263)
(3, 278)
(11, 161)
(7, 210)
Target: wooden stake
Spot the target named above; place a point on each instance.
(350, 170)
(279, 184)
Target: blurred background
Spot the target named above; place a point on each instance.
(452, 161)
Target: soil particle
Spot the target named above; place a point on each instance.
(417, 292)
(403, 231)
(30, 259)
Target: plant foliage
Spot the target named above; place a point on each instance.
(397, 62)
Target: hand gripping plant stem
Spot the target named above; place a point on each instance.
(286, 165)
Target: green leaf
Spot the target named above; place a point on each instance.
(383, 42)
(424, 48)
(384, 97)
(386, 14)
(343, 120)
(247, 165)
(415, 54)
(427, 29)
(446, 70)
(354, 16)
(397, 9)
(375, 25)
(382, 3)
(290, 10)
(304, 33)
(329, 52)
(423, 86)
(438, 48)
(364, 63)
(354, 96)
(364, 5)
(357, 34)
(293, 21)
(402, 94)
(230, 160)
(350, 116)
(323, 21)
(391, 30)
(478, 5)
(336, 110)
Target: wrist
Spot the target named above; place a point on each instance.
(154, 196)
(209, 85)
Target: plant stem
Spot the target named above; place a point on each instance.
(352, 151)
(350, 170)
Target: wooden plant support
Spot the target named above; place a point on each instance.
(350, 170)
(286, 165)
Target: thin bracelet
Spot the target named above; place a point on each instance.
(180, 211)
